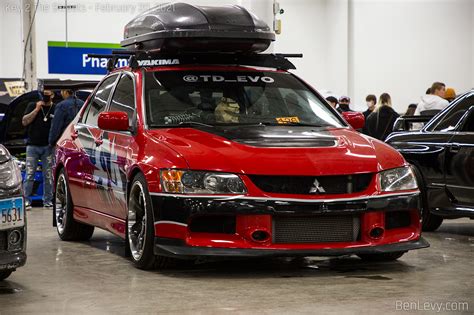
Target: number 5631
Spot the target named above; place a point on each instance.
(10, 215)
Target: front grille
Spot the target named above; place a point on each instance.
(316, 229)
(312, 185)
(3, 240)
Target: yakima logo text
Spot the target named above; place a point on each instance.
(157, 62)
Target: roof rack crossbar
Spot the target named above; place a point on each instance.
(144, 59)
(278, 61)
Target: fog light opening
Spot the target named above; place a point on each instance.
(260, 236)
(376, 233)
(14, 237)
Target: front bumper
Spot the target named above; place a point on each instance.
(164, 248)
(11, 261)
(176, 233)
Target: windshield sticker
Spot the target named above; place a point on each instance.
(287, 120)
(191, 78)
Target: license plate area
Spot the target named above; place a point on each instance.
(316, 229)
(12, 213)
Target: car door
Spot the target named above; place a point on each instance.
(116, 148)
(460, 159)
(435, 145)
(89, 140)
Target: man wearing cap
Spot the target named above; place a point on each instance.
(64, 113)
(37, 118)
(344, 102)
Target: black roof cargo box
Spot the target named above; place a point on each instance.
(181, 27)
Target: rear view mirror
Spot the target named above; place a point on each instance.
(355, 119)
(114, 121)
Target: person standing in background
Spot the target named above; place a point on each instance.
(344, 104)
(380, 123)
(371, 102)
(64, 113)
(37, 118)
(410, 110)
(450, 94)
(332, 101)
(434, 102)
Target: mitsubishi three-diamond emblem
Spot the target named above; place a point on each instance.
(316, 188)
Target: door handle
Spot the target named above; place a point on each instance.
(454, 148)
(98, 142)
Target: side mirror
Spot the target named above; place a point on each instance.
(114, 121)
(355, 119)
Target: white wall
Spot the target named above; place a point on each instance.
(11, 62)
(304, 31)
(401, 47)
(353, 47)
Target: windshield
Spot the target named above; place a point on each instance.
(214, 98)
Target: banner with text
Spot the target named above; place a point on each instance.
(71, 58)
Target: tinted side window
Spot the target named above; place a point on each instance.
(124, 98)
(451, 119)
(469, 123)
(99, 102)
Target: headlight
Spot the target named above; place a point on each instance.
(201, 182)
(10, 176)
(397, 179)
(4, 155)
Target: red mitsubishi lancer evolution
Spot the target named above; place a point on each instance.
(226, 154)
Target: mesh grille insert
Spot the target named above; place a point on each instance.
(304, 185)
(316, 229)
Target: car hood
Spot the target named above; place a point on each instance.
(279, 150)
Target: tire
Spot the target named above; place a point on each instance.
(430, 222)
(68, 229)
(381, 257)
(140, 228)
(5, 274)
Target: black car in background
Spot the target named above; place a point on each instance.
(13, 134)
(442, 153)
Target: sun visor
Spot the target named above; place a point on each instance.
(181, 27)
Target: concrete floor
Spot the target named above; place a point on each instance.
(96, 278)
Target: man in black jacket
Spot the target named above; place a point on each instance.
(371, 101)
(64, 113)
(37, 119)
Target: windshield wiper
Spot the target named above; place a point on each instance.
(194, 123)
(183, 124)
